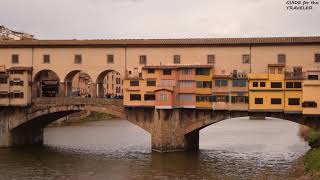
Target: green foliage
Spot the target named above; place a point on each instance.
(314, 138)
(312, 160)
(95, 116)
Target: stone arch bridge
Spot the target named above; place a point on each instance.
(171, 130)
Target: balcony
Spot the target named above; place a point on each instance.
(295, 76)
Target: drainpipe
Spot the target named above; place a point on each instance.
(32, 63)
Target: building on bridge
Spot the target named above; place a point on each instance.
(15, 86)
(197, 87)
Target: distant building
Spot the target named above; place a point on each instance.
(113, 84)
(15, 86)
(7, 34)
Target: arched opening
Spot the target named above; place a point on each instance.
(79, 84)
(110, 84)
(46, 84)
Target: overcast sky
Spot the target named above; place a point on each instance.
(105, 19)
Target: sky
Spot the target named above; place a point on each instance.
(142, 19)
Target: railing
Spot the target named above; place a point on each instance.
(295, 76)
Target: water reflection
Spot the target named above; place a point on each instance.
(233, 149)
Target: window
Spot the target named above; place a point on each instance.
(276, 85)
(202, 98)
(151, 71)
(166, 82)
(294, 101)
(15, 59)
(167, 72)
(280, 71)
(186, 71)
(77, 59)
(16, 72)
(293, 85)
(255, 84)
(3, 80)
(149, 97)
(134, 83)
(143, 60)
(272, 70)
(186, 97)
(176, 59)
(203, 71)
(221, 82)
(18, 95)
(262, 84)
(211, 59)
(163, 97)
(239, 83)
(313, 77)
(239, 99)
(275, 100)
(281, 59)
(151, 83)
(46, 59)
(110, 59)
(204, 84)
(317, 58)
(3, 94)
(135, 97)
(245, 59)
(258, 100)
(309, 104)
(16, 82)
(220, 98)
(185, 83)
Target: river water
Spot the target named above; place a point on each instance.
(115, 149)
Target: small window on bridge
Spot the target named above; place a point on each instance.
(46, 59)
(15, 59)
(77, 59)
(110, 59)
(275, 100)
(255, 84)
(313, 77)
(151, 83)
(151, 71)
(317, 58)
(134, 83)
(309, 104)
(3, 80)
(294, 101)
(220, 82)
(258, 100)
(262, 84)
(276, 85)
(135, 97)
(167, 72)
(149, 97)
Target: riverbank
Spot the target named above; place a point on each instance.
(308, 166)
(92, 117)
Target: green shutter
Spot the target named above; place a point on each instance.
(227, 98)
(246, 99)
(233, 99)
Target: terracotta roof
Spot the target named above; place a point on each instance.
(178, 66)
(166, 42)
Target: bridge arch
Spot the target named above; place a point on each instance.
(78, 83)
(28, 129)
(109, 82)
(46, 83)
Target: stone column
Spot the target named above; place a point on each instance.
(93, 90)
(5, 138)
(168, 133)
(62, 89)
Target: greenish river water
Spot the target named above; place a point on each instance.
(116, 149)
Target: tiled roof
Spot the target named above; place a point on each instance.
(166, 42)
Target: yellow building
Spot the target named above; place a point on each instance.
(15, 86)
(266, 90)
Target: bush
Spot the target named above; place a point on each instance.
(314, 139)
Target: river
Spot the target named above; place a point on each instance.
(115, 149)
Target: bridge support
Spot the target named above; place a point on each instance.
(168, 132)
